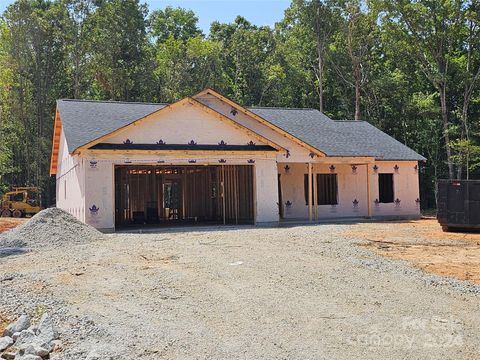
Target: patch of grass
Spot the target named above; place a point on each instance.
(39, 311)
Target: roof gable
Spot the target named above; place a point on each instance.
(260, 120)
(189, 122)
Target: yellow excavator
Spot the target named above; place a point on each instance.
(20, 202)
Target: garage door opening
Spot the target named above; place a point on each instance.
(213, 194)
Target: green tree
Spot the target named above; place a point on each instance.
(309, 28)
(246, 55)
(187, 66)
(354, 47)
(176, 23)
(429, 32)
(7, 131)
(77, 36)
(36, 62)
(118, 51)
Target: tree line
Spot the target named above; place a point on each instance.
(411, 68)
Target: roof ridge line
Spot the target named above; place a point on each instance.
(347, 120)
(279, 107)
(112, 101)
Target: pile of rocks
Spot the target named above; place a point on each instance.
(51, 227)
(23, 341)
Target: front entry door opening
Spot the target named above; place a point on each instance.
(216, 194)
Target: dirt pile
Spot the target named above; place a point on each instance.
(52, 227)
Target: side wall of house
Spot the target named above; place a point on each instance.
(70, 182)
(99, 194)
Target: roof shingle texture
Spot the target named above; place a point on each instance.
(337, 138)
(85, 121)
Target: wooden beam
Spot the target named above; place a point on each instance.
(203, 153)
(310, 207)
(369, 195)
(223, 195)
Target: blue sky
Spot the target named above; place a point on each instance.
(258, 12)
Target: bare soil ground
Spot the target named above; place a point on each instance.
(305, 292)
(10, 223)
(425, 245)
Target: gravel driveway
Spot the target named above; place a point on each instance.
(307, 292)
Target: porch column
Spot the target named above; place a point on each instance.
(369, 194)
(315, 205)
(310, 207)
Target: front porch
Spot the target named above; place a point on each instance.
(349, 188)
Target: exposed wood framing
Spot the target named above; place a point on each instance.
(220, 193)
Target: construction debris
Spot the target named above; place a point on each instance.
(52, 227)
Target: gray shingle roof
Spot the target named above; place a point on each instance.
(337, 138)
(84, 121)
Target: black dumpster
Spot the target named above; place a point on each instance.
(459, 204)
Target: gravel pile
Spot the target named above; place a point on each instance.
(52, 227)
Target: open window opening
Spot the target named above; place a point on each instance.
(327, 189)
(385, 188)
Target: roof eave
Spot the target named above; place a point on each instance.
(57, 130)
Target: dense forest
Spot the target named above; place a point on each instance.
(411, 68)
